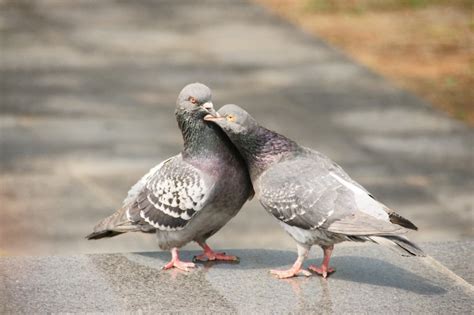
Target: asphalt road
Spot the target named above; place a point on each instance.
(87, 98)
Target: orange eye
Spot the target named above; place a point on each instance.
(192, 100)
(230, 118)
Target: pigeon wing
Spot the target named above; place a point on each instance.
(169, 196)
(365, 201)
(310, 194)
(298, 193)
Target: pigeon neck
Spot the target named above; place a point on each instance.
(202, 139)
(266, 148)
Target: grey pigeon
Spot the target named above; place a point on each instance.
(315, 201)
(189, 196)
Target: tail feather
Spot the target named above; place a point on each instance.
(113, 225)
(102, 234)
(395, 218)
(399, 244)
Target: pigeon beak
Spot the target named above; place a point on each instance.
(213, 118)
(208, 106)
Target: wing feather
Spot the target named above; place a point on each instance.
(296, 193)
(314, 192)
(168, 196)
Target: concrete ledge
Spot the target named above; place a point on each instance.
(368, 279)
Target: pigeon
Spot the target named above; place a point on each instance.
(190, 196)
(313, 198)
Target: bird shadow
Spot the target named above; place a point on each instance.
(381, 273)
(358, 269)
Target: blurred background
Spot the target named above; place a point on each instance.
(88, 90)
(425, 46)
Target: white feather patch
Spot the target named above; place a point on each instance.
(364, 202)
(138, 187)
(129, 217)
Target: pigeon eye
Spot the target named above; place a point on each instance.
(192, 100)
(230, 118)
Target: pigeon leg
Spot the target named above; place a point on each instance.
(176, 263)
(296, 268)
(210, 255)
(324, 270)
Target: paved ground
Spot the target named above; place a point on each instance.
(368, 280)
(88, 90)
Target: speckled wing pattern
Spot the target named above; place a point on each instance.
(298, 193)
(312, 192)
(168, 196)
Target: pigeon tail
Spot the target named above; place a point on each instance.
(399, 244)
(102, 234)
(113, 225)
(395, 218)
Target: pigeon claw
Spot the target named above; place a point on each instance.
(178, 264)
(322, 271)
(292, 272)
(210, 255)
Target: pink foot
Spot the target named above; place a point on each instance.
(296, 268)
(292, 272)
(323, 270)
(210, 255)
(182, 265)
(176, 263)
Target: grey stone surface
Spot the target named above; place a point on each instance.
(368, 279)
(87, 98)
(457, 256)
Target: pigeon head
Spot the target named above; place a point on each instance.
(194, 100)
(234, 120)
(200, 137)
(259, 146)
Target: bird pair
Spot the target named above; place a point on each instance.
(227, 158)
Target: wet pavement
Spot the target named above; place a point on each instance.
(368, 279)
